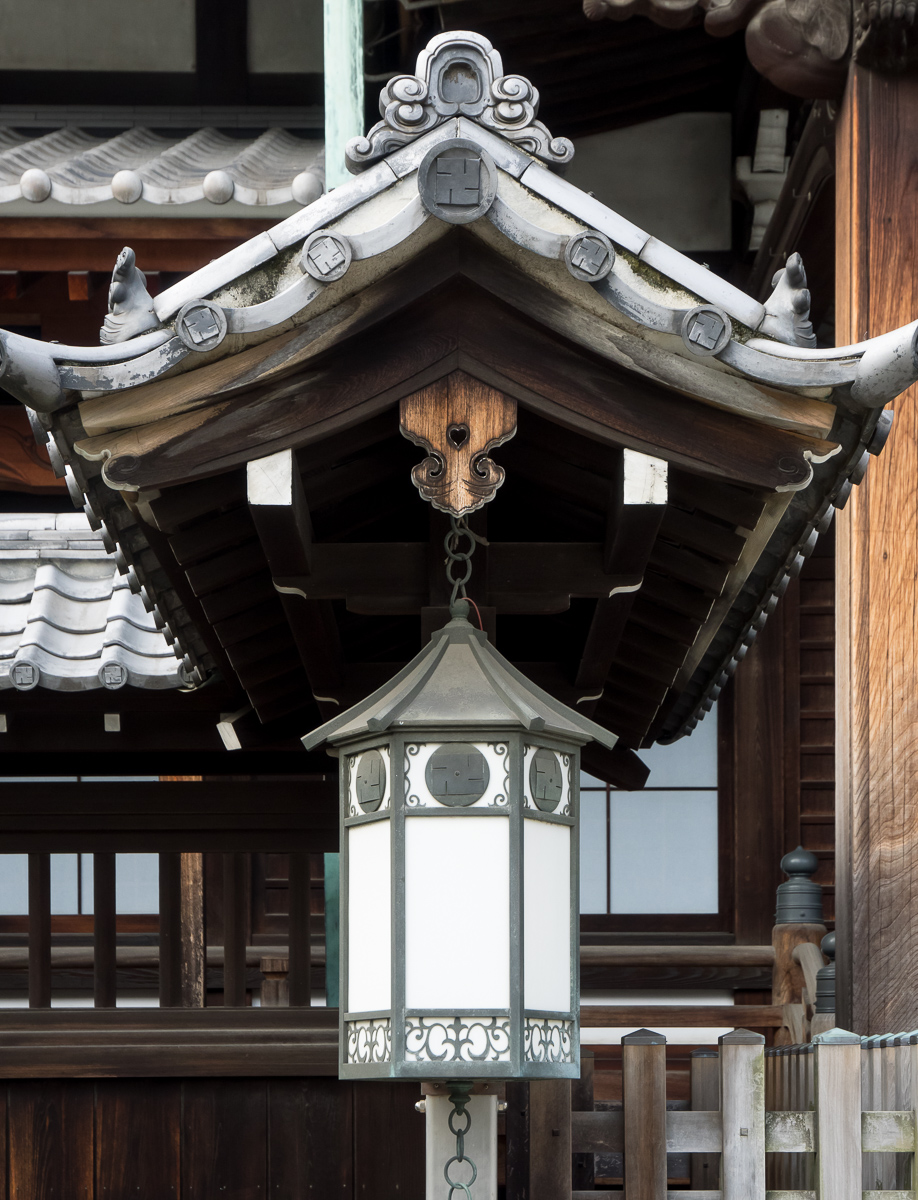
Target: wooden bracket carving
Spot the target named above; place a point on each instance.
(458, 420)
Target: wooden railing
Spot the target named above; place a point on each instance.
(836, 1119)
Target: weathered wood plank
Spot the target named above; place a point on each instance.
(888, 1132)
(389, 1141)
(50, 1140)
(705, 1097)
(644, 1092)
(877, 587)
(838, 1133)
(138, 1137)
(224, 1138)
(550, 1139)
(687, 1132)
(790, 1132)
(583, 1101)
(310, 1138)
(597, 1132)
(742, 1088)
(517, 1127)
(759, 1016)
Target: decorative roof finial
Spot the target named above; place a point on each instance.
(460, 74)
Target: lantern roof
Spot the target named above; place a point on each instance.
(459, 681)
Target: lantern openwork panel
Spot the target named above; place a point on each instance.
(459, 877)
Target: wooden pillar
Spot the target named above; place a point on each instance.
(40, 930)
(105, 931)
(644, 1093)
(877, 575)
(550, 1162)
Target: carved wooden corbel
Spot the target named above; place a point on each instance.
(802, 46)
(458, 420)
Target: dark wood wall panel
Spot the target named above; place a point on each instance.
(210, 1139)
(145, 1116)
(224, 1139)
(50, 1140)
(311, 1137)
(778, 736)
(388, 1141)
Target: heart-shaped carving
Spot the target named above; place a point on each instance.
(458, 435)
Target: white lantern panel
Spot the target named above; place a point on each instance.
(457, 913)
(546, 916)
(369, 947)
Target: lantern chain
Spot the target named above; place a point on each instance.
(458, 529)
(459, 1098)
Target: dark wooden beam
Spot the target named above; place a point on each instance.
(227, 816)
(279, 510)
(138, 1042)
(392, 577)
(637, 502)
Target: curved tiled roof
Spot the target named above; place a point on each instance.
(75, 167)
(68, 620)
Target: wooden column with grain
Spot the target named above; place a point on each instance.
(299, 978)
(742, 1090)
(40, 930)
(705, 1086)
(234, 938)
(550, 1162)
(104, 931)
(838, 1128)
(582, 1101)
(644, 1095)
(181, 931)
(877, 574)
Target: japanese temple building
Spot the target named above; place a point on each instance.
(554, 401)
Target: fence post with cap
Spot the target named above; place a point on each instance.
(838, 1104)
(644, 1096)
(742, 1091)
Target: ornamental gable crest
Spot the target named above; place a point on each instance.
(459, 75)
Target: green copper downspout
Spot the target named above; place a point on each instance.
(344, 119)
(332, 942)
(343, 84)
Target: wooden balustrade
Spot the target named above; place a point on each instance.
(832, 1120)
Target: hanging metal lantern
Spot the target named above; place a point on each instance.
(459, 870)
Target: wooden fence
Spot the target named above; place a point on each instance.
(835, 1119)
